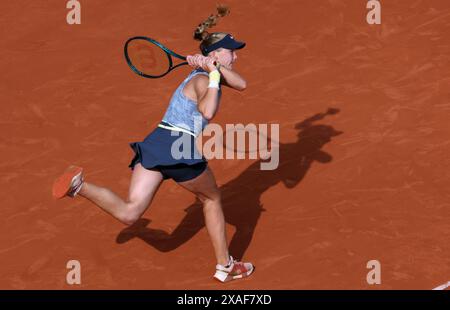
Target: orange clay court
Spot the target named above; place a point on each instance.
(364, 145)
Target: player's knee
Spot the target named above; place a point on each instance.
(130, 215)
(217, 196)
(129, 219)
(214, 196)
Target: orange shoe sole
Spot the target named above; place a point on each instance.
(62, 185)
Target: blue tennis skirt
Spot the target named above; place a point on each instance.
(173, 153)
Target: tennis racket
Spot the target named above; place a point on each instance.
(149, 58)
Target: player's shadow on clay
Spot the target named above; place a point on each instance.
(241, 196)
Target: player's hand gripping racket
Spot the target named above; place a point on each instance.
(149, 58)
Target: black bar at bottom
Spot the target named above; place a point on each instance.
(213, 298)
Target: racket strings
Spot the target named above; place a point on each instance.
(147, 58)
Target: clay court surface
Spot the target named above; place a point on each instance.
(368, 181)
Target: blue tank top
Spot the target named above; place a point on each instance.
(182, 112)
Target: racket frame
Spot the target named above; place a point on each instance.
(168, 52)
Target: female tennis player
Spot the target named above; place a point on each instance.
(196, 98)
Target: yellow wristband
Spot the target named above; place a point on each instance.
(214, 76)
(214, 79)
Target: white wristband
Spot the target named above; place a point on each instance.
(213, 84)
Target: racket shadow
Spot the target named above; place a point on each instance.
(241, 197)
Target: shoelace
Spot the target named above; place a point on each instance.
(231, 262)
(77, 188)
